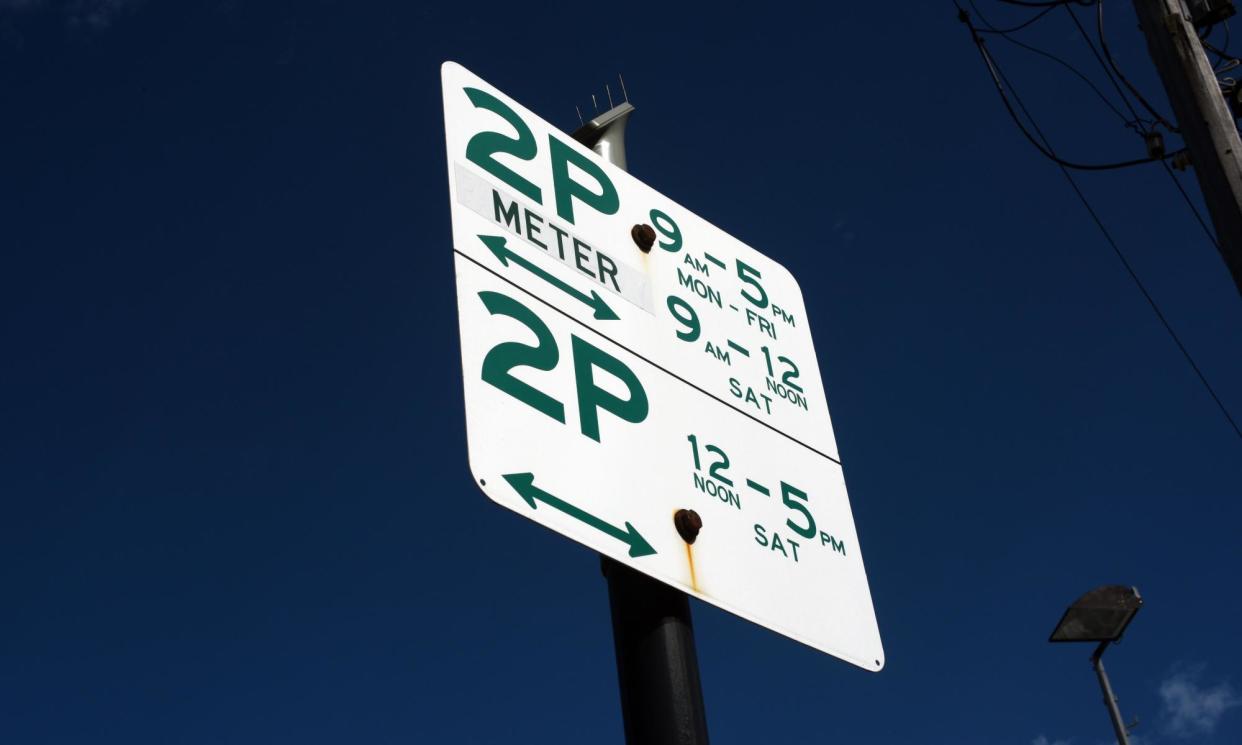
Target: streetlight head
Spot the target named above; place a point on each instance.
(1099, 616)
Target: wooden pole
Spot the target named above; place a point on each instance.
(1206, 124)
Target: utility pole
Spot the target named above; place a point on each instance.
(1206, 124)
(657, 666)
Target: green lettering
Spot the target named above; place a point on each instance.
(480, 148)
(531, 230)
(507, 355)
(605, 202)
(580, 256)
(560, 240)
(827, 540)
(510, 213)
(592, 398)
(779, 545)
(607, 269)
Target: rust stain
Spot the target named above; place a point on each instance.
(688, 524)
(694, 580)
(644, 237)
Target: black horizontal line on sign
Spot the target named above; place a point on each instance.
(656, 365)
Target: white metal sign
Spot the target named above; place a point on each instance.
(608, 388)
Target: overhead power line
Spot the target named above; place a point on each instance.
(1172, 177)
(1139, 121)
(992, 29)
(1099, 29)
(1108, 73)
(1134, 122)
(1045, 146)
(1046, 3)
(1006, 35)
(1045, 151)
(1193, 209)
(1222, 53)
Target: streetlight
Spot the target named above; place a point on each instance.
(1101, 616)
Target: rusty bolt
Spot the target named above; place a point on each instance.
(688, 524)
(644, 236)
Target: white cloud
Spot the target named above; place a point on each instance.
(1192, 709)
(1042, 740)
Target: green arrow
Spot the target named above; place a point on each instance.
(524, 485)
(496, 244)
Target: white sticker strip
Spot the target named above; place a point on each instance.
(514, 216)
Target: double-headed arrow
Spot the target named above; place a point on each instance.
(524, 485)
(496, 244)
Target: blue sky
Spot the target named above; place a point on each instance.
(236, 505)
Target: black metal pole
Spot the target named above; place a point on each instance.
(657, 667)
